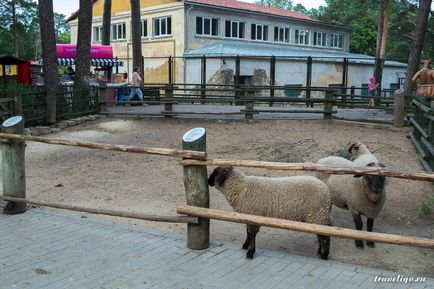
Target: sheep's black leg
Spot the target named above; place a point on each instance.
(253, 230)
(324, 246)
(248, 239)
(359, 226)
(370, 225)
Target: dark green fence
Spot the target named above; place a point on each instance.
(69, 104)
(422, 135)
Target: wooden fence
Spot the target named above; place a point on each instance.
(254, 98)
(194, 162)
(422, 135)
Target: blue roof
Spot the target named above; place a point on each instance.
(261, 50)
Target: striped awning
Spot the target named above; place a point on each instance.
(94, 62)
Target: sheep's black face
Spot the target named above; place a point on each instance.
(219, 176)
(354, 148)
(376, 183)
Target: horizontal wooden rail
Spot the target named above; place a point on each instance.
(290, 111)
(133, 215)
(419, 128)
(424, 108)
(305, 227)
(109, 147)
(420, 176)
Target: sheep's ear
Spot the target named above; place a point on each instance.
(212, 177)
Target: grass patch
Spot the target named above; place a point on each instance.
(342, 152)
(295, 152)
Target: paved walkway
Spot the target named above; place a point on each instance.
(46, 248)
(346, 114)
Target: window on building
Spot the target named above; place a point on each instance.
(162, 26)
(207, 26)
(234, 29)
(119, 31)
(302, 37)
(281, 34)
(144, 28)
(319, 38)
(97, 33)
(259, 32)
(336, 40)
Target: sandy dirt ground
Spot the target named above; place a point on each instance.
(153, 184)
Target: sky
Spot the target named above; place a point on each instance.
(67, 7)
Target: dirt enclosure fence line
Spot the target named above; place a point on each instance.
(194, 161)
(253, 97)
(31, 102)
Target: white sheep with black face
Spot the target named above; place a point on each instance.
(361, 154)
(361, 195)
(297, 198)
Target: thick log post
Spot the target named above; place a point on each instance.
(328, 104)
(13, 166)
(168, 105)
(196, 189)
(399, 108)
(103, 97)
(249, 104)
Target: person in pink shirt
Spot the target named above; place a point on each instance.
(136, 83)
(371, 92)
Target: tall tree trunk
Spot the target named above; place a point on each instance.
(14, 27)
(48, 43)
(135, 32)
(383, 27)
(417, 43)
(106, 22)
(82, 63)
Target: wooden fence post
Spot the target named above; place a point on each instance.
(399, 108)
(328, 104)
(249, 104)
(272, 78)
(203, 78)
(196, 189)
(18, 106)
(309, 80)
(103, 97)
(168, 105)
(13, 165)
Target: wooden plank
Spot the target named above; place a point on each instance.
(289, 111)
(133, 215)
(418, 147)
(110, 147)
(428, 146)
(419, 128)
(305, 227)
(421, 176)
(205, 113)
(422, 107)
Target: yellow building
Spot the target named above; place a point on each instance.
(223, 29)
(159, 45)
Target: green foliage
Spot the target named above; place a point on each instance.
(361, 16)
(300, 8)
(341, 152)
(426, 207)
(27, 28)
(283, 4)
